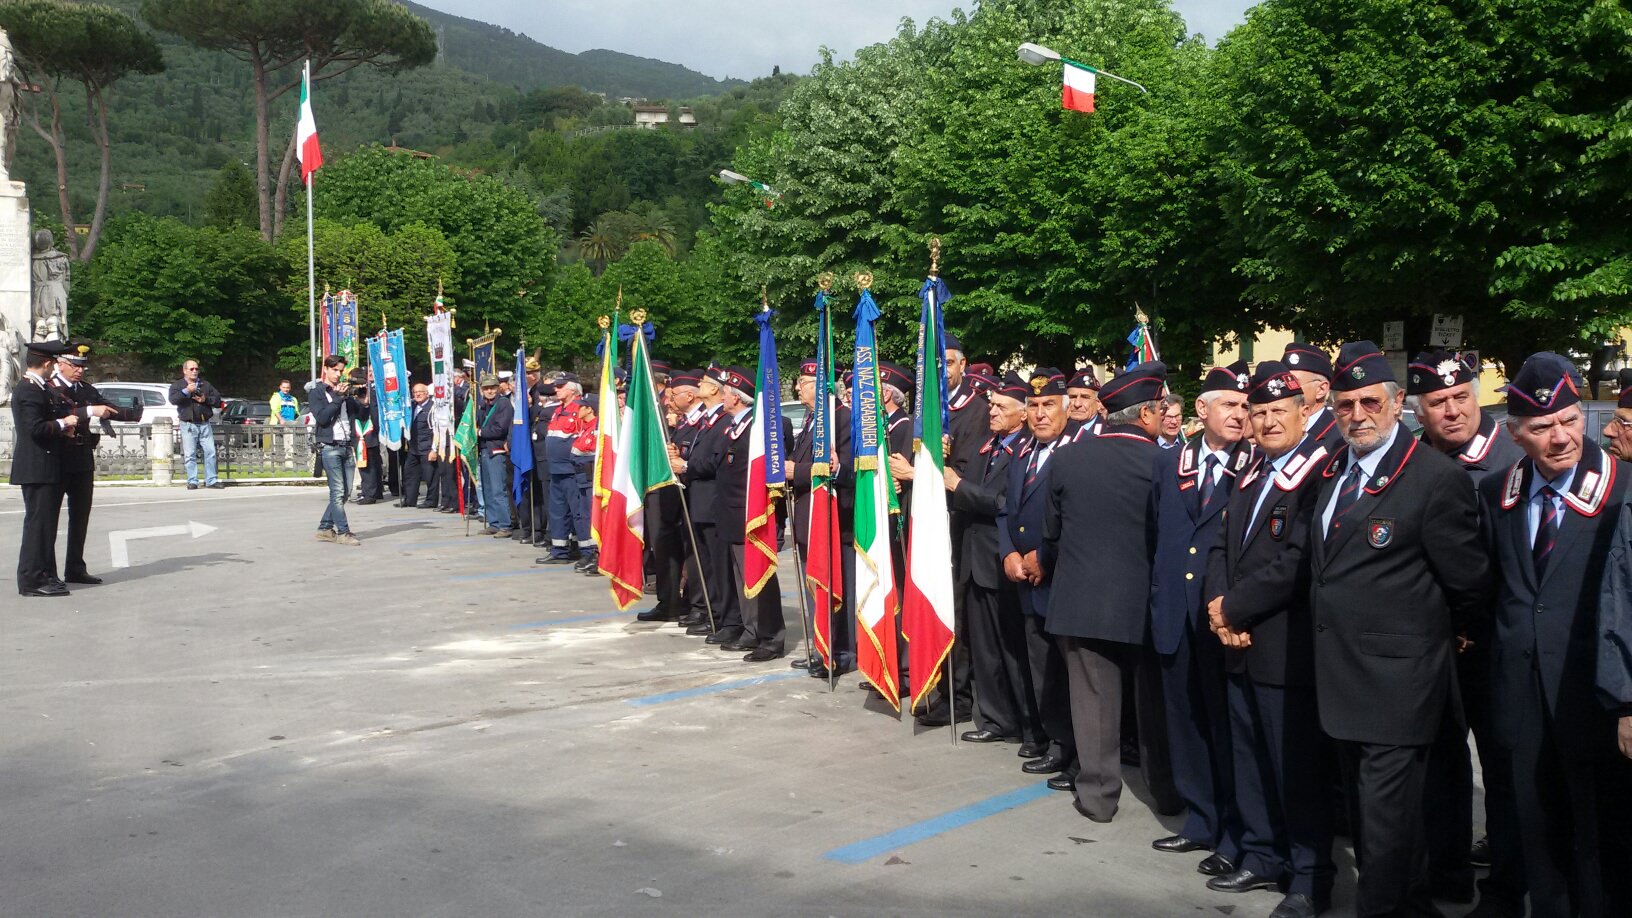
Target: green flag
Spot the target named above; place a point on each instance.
(464, 440)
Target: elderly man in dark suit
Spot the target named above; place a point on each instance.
(1258, 606)
(43, 424)
(1552, 520)
(422, 458)
(1192, 484)
(1398, 572)
(1099, 528)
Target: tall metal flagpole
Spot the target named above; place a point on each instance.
(311, 277)
(935, 357)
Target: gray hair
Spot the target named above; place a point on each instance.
(738, 394)
(895, 395)
(1130, 414)
(568, 384)
(1414, 402)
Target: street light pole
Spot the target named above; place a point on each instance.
(737, 178)
(1037, 55)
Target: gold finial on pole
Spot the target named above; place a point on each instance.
(619, 304)
(824, 280)
(605, 322)
(934, 256)
(764, 299)
(864, 280)
(1139, 314)
(638, 317)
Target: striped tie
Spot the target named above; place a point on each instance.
(1207, 480)
(1546, 532)
(1346, 498)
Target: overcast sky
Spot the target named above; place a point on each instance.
(744, 38)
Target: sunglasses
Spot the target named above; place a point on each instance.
(1370, 405)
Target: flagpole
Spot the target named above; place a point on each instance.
(798, 567)
(935, 357)
(311, 278)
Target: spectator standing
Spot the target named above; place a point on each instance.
(334, 417)
(196, 402)
(493, 415)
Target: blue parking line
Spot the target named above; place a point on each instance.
(867, 849)
(598, 616)
(665, 697)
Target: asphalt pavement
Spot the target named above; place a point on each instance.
(245, 721)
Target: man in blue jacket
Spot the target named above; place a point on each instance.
(334, 424)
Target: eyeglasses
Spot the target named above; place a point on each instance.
(1371, 404)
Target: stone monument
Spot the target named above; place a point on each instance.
(16, 257)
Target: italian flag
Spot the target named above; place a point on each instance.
(926, 611)
(876, 599)
(306, 145)
(641, 467)
(606, 441)
(1078, 92)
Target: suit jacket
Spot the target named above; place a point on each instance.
(1186, 531)
(493, 424)
(1020, 524)
(1615, 619)
(1099, 528)
(704, 460)
(1549, 630)
(1324, 431)
(980, 500)
(419, 428)
(37, 454)
(732, 477)
(79, 450)
(1263, 572)
(1491, 451)
(967, 426)
(1390, 587)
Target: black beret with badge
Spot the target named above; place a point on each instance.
(893, 374)
(685, 378)
(1233, 378)
(1146, 382)
(1547, 383)
(1431, 371)
(1046, 381)
(1360, 364)
(807, 368)
(981, 378)
(734, 377)
(1015, 386)
(953, 344)
(1271, 382)
(1308, 358)
(1084, 379)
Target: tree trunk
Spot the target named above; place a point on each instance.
(99, 130)
(282, 198)
(59, 150)
(263, 188)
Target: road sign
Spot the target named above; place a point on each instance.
(118, 542)
(1394, 336)
(1447, 331)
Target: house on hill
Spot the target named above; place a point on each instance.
(651, 116)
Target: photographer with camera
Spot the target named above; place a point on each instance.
(196, 402)
(335, 410)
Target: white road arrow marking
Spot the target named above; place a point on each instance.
(118, 542)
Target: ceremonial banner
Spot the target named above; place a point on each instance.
(823, 568)
(1144, 344)
(439, 344)
(606, 427)
(521, 441)
(926, 612)
(767, 466)
(481, 354)
(342, 337)
(386, 359)
(876, 601)
(641, 466)
(464, 444)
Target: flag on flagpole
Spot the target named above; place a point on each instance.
(606, 434)
(641, 467)
(1144, 344)
(464, 442)
(1078, 88)
(521, 430)
(824, 570)
(926, 612)
(876, 600)
(307, 149)
(767, 470)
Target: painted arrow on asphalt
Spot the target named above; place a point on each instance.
(118, 542)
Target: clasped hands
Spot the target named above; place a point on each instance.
(1229, 637)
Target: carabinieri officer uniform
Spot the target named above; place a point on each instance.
(43, 423)
(79, 453)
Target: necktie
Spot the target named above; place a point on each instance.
(1546, 532)
(1346, 497)
(1037, 456)
(1207, 479)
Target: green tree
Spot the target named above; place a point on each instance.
(564, 330)
(89, 44)
(275, 36)
(393, 275)
(603, 242)
(231, 199)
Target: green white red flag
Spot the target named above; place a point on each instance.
(307, 149)
(926, 611)
(1078, 88)
(876, 600)
(641, 466)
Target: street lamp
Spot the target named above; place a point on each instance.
(1037, 55)
(737, 178)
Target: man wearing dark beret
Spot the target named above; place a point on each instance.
(1082, 405)
(1314, 372)
(1618, 431)
(1099, 528)
(1399, 570)
(1258, 606)
(1191, 487)
(1552, 521)
(1443, 388)
(43, 424)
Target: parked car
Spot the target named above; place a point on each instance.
(153, 397)
(244, 411)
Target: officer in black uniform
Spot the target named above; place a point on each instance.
(79, 452)
(1398, 571)
(895, 391)
(1082, 405)
(665, 525)
(1442, 387)
(1314, 372)
(1258, 606)
(685, 418)
(43, 423)
(1098, 528)
(842, 479)
(1552, 520)
(700, 470)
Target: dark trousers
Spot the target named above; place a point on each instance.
(1050, 688)
(721, 588)
(447, 485)
(997, 658)
(763, 624)
(842, 630)
(1198, 733)
(1505, 882)
(696, 592)
(370, 476)
(418, 469)
(1150, 712)
(1575, 818)
(78, 488)
(37, 556)
(1282, 789)
(1391, 846)
(563, 510)
(666, 540)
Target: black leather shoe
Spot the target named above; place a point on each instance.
(1459, 891)
(985, 736)
(1178, 844)
(736, 646)
(1046, 765)
(799, 663)
(192, 487)
(654, 615)
(818, 671)
(220, 485)
(554, 559)
(1216, 865)
(447, 509)
(700, 628)
(724, 637)
(1479, 854)
(84, 578)
(1032, 750)
(1239, 882)
(45, 589)
(760, 655)
(1063, 782)
(1296, 905)
(361, 501)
